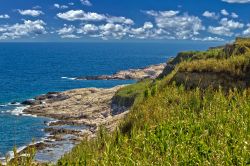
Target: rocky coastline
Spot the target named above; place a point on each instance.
(77, 114)
(132, 74)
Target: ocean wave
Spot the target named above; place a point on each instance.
(14, 109)
(10, 104)
(69, 78)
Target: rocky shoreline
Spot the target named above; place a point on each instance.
(132, 74)
(79, 113)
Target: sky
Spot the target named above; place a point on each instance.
(124, 20)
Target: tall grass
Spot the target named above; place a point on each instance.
(234, 66)
(175, 127)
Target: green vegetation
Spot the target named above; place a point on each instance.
(131, 94)
(234, 65)
(22, 160)
(169, 125)
(176, 127)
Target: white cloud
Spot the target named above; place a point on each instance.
(231, 24)
(222, 31)
(209, 14)
(247, 31)
(81, 15)
(86, 2)
(148, 25)
(224, 12)
(33, 13)
(234, 15)
(66, 30)
(4, 16)
(169, 13)
(176, 25)
(226, 27)
(37, 7)
(113, 19)
(88, 29)
(209, 38)
(237, 1)
(70, 36)
(56, 5)
(73, 15)
(167, 25)
(27, 28)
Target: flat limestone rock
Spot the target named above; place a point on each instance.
(152, 72)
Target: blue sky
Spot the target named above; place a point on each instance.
(102, 20)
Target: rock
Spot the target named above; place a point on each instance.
(30, 102)
(132, 74)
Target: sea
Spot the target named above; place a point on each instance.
(31, 69)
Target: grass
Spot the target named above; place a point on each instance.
(234, 66)
(131, 94)
(176, 127)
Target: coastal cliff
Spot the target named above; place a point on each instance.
(225, 66)
(196, 111)
(183, 117)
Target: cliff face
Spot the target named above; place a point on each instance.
(214, 80)
(227, 66)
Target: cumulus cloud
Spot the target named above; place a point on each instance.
(237, 1)
(88, 29)
(123, 20)
(231, 24)
(148, 25)
(109, 31)
(247, 31)
(73, 15)
(66, 30)
(86, 2)
(33, 13)
(4, 16)
(234, 15)
(226, 27)
(56, 5)
(165, 25)
(222, 31)
(224, 12)
(70, 36)
(209, 38)
(26, 28)
(209, 14)
(176, 25)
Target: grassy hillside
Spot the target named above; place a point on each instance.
(170, 125)
(175, 127)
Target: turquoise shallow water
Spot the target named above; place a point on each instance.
(30, 69)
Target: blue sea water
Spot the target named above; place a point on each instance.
(30, 69)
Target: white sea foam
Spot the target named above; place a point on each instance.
(18, 110)
(15, 104)
(10, 104)
(52, 121)
(68, 78)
